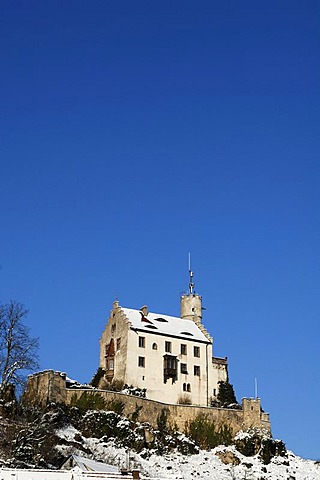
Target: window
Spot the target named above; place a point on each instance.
(214, 392)
(188, 387)
(196, 351)
(118, 343)
(109, 366)
(142, 342)
(168, 347)
(113, 328)
(141, 362)
(154, 346)
(183, 349)
(184, 387)
(183, 368)
(196, 370)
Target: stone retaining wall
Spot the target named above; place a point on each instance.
(50, 386)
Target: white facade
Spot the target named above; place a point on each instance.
(170, 357)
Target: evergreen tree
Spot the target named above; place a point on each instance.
(226, 395)
(97, 377)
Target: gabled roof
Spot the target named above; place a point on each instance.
(160, 324)
(87, 465)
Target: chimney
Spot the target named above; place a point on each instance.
(144, 310)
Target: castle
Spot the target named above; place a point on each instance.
(170, 358)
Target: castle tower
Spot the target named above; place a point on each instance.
(191, 307)
(191, 303)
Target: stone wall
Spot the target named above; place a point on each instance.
(49, 386)
(46, 386)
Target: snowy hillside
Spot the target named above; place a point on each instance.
(34, 439)
(206, 465)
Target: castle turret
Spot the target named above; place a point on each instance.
(191, 303)
(191, 307)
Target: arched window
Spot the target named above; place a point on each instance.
(188, 387)
(184, 387)
(154, 346)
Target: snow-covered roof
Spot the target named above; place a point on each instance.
(87, 465)
(164, 325)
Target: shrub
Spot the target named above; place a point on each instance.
(162, 420)
(116, 406)
(256, 441)
(114, 386)
(185, 445)
(248, 443)
(88, 401)
(205, 433)
(138, 392)
(106, 424)
(184, 399)
(136, 413)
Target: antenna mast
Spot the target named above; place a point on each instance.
(256, 388)
(191, 284)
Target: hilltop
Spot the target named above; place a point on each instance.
(31, 437)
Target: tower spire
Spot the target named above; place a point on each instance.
(191, 284)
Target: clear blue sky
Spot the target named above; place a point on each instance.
(134, 132)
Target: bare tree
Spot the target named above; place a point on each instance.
(18, 350)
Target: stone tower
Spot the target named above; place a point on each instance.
(191, 303)
(191, 306)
